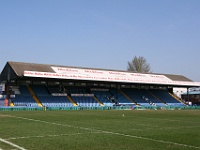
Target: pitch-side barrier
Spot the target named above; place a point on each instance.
(99, 108)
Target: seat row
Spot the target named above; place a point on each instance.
(108, 97)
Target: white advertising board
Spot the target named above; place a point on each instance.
(104, 75)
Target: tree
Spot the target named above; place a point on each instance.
(138, 64)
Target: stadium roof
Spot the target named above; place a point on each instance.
(13, 70)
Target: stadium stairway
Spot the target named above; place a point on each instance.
(177, 98)
(98, 101)
(72, 101)
(12, 104)
(157, 98)
(34, 96)
(89, 91)
(128, 98)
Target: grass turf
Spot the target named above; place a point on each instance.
(97, 130)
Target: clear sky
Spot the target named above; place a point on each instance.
(103, 33)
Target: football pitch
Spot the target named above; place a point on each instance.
(100, 129)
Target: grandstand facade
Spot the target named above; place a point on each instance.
(42, 85)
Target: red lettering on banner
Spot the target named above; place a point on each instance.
(101, 78)
(138, 75)
(38, 73)
(67, 69)
(28, 72)
(94, 71)
(116, 73)
(156, 76)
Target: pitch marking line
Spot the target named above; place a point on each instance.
(43, 136)
(183, 121)
(155, 140)
(108, 132)
(11, 144)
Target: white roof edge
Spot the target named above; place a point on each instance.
(106, 75)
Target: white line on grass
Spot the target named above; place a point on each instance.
(108, 132)
(160, 141)
(11, 144)
(159, 128)
(43, 136)
(172, 120)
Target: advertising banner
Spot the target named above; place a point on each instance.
(105, 75)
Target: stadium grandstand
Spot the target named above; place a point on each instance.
(54, 86)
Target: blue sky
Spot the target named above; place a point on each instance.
(103, 33)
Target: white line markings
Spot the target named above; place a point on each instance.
(160, 141)
(43, 136)
(108, 132)
(11, 144)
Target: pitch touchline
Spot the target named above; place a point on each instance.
(114, 133)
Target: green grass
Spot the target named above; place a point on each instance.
(97, 130)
